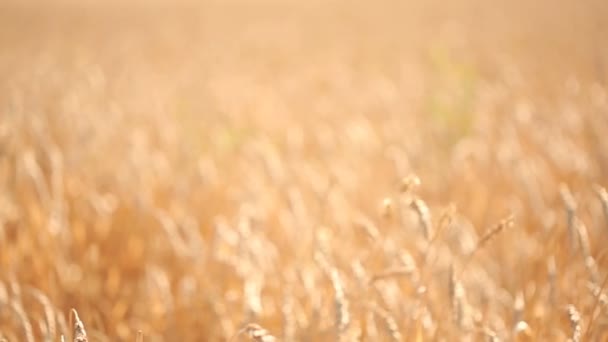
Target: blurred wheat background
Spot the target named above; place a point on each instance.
(304, 171)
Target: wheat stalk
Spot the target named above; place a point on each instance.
(583, 238)
(390, 324)
(256, 333)
(60, 319)
(575, 323)
(49, 312)
(28, 332)
(458, 300)
(519, 305)
(598, 292)
(252, 292)
(507, 222)
(504, 223)
(602, 194)
(490, 335)
(408, 183)
(79, 333)
(552, 277)
(392, 272)
(424, 216)
(341, 303)
(570, 204)
(287, 310)
(387, 209)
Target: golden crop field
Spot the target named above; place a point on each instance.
(265, 170)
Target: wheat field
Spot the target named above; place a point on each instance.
(333, 170)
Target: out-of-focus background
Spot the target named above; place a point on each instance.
(324, 170)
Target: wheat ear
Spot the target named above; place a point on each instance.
(80, 335)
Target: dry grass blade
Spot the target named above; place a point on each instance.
(140, 336)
